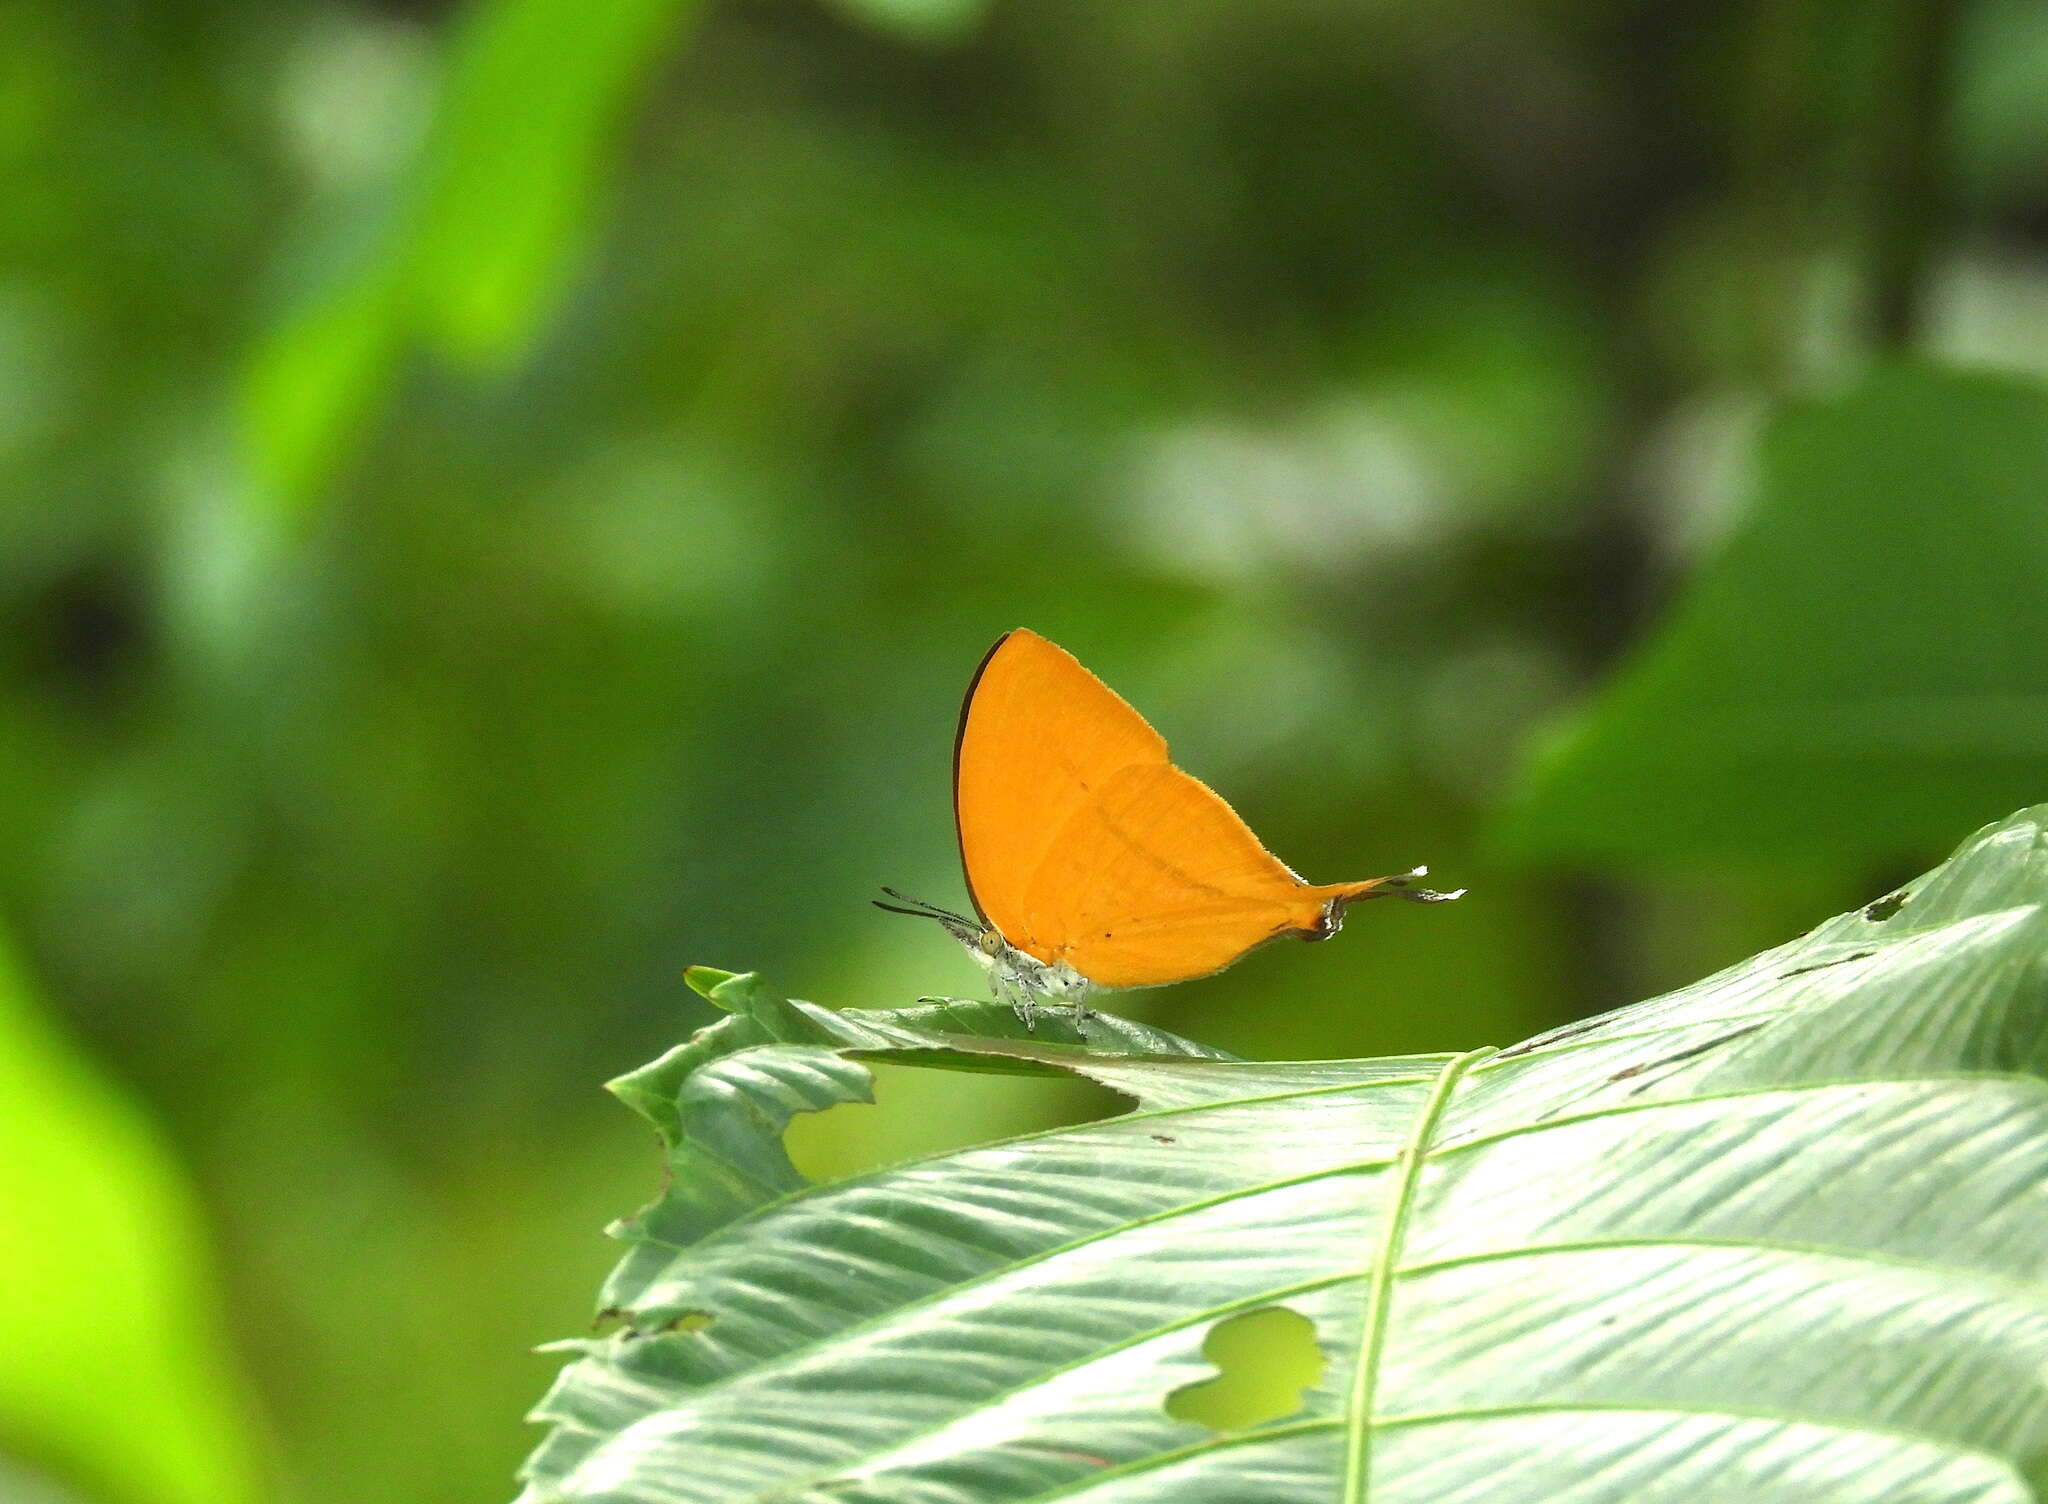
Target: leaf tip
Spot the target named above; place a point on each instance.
(706, 980)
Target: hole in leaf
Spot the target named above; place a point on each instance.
(689, 1321)
(1264, 1360)
(1886, 906)
(919, 1111)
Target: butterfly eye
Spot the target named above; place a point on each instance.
(990, 942)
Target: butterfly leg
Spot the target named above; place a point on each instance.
(1021, 1002)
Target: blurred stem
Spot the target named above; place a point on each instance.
(1831, 86)
(1776, 135)
(1909, 198)
(1910, 210)
(1612, 585)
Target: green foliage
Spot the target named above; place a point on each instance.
(1858, 673)
(112, 1375)
(1775, 1237)
(691, 393)
(483, 236)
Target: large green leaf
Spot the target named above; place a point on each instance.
(113, 1375)
(1778, 1238)
(1859, 674)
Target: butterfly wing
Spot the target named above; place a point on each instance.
(1082, 842)
(1156, 879)
(1039, 735)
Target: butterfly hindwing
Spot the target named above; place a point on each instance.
(1156, 879)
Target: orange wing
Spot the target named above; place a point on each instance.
(1083, 843)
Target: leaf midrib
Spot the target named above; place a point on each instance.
(2002, 1286)
(1380, 1286)
(1286, 1430)
(801, 1350)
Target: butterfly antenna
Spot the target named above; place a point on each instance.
(905, 904)
(917, 908)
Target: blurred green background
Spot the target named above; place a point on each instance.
(501, 501)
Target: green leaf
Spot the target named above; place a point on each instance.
(1859, 675)
(112, 1374)
(495, 211)
(512, 167)
(1778, 1238)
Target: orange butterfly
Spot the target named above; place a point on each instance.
(1093, 861)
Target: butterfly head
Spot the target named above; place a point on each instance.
(1016, 973)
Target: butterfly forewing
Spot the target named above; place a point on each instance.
(1038, 735)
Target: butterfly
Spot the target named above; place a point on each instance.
(1091, 860)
